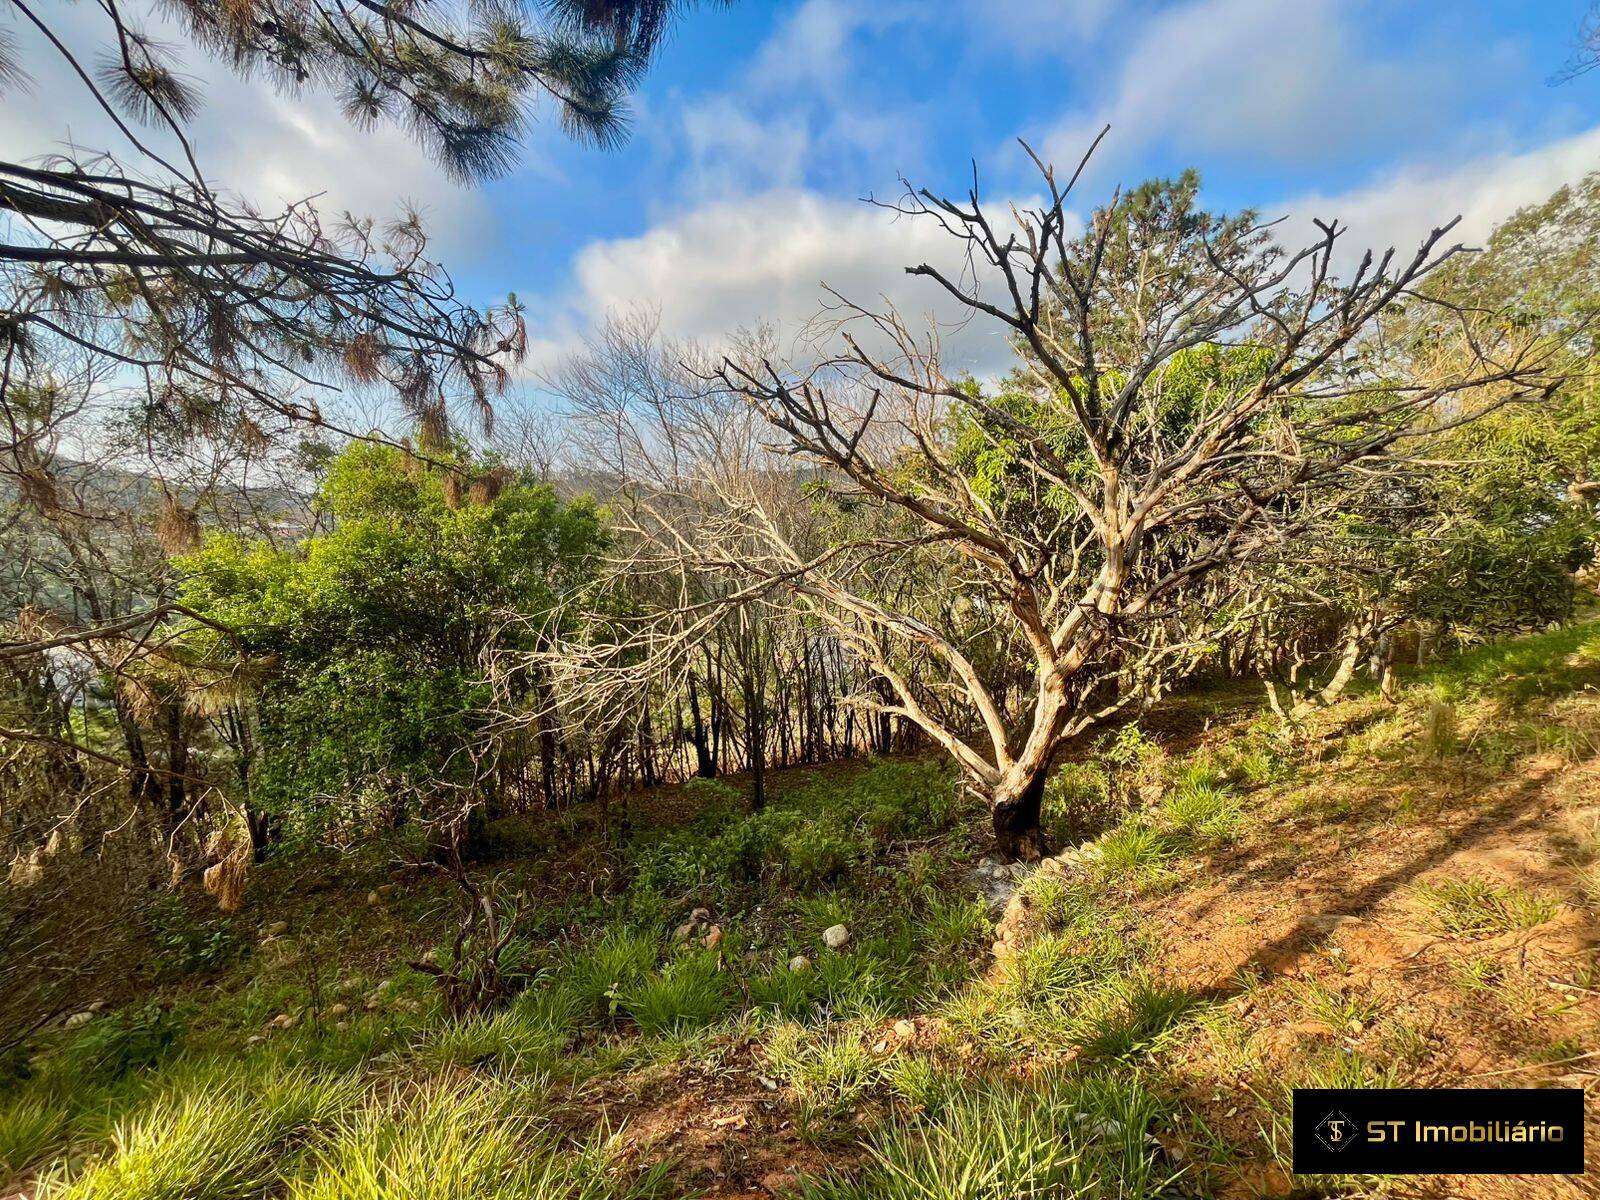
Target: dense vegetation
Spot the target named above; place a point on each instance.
(830, 773)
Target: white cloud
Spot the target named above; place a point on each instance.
(1263, 81)
(765, 259)
(798, 106)
(1401, 209)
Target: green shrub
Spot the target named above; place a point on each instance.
(185, 943)
(112, 1046)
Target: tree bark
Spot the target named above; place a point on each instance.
(1018, 836)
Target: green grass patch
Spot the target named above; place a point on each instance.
(1475, 907)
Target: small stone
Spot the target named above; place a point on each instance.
(255, 1039)
(685, 931)
(77, 1019)
(904, 1029)
(880, 1046)
(374, 898)
(702, 915)
(777, 1182)
(338, 1010)
(1313, 1029)
(277, 929)
(1050, 866)
(385, 891)
(281, 1021)
(835, 936)
(799, 963)
(713, 937)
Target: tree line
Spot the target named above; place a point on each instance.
(266, 588)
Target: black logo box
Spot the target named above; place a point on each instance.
(1439, 1131)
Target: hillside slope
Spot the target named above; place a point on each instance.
(1394, 894)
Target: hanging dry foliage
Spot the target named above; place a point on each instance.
(452, 490)
(225, 877)
(177, 528)
(38, 488)
(361, 358)
(433, 427)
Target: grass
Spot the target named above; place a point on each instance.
(1203, 810)
(32, 1127)
(1339, 1009)
(1475, 907)
(689, 993)
(828, 1070)
(1080, 1137)
(223, 1135)
(166, 1101)
(451, 1141)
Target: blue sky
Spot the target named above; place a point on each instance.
(762, 125)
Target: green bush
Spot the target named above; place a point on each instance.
(134, 1039)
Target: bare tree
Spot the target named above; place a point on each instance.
(1189, 396)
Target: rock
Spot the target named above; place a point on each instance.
(777, 1182)
(904, 1029)
(338, 1010)
(281, 1021)
(255, 1039)
(77, 1019)
(835, 936)
(799, 963)
(701, 915)
(880, 1046)
(1313, 1029)
(277, 929)
(685, 931)
(374, 898)
(713, 937)
(385, 891)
